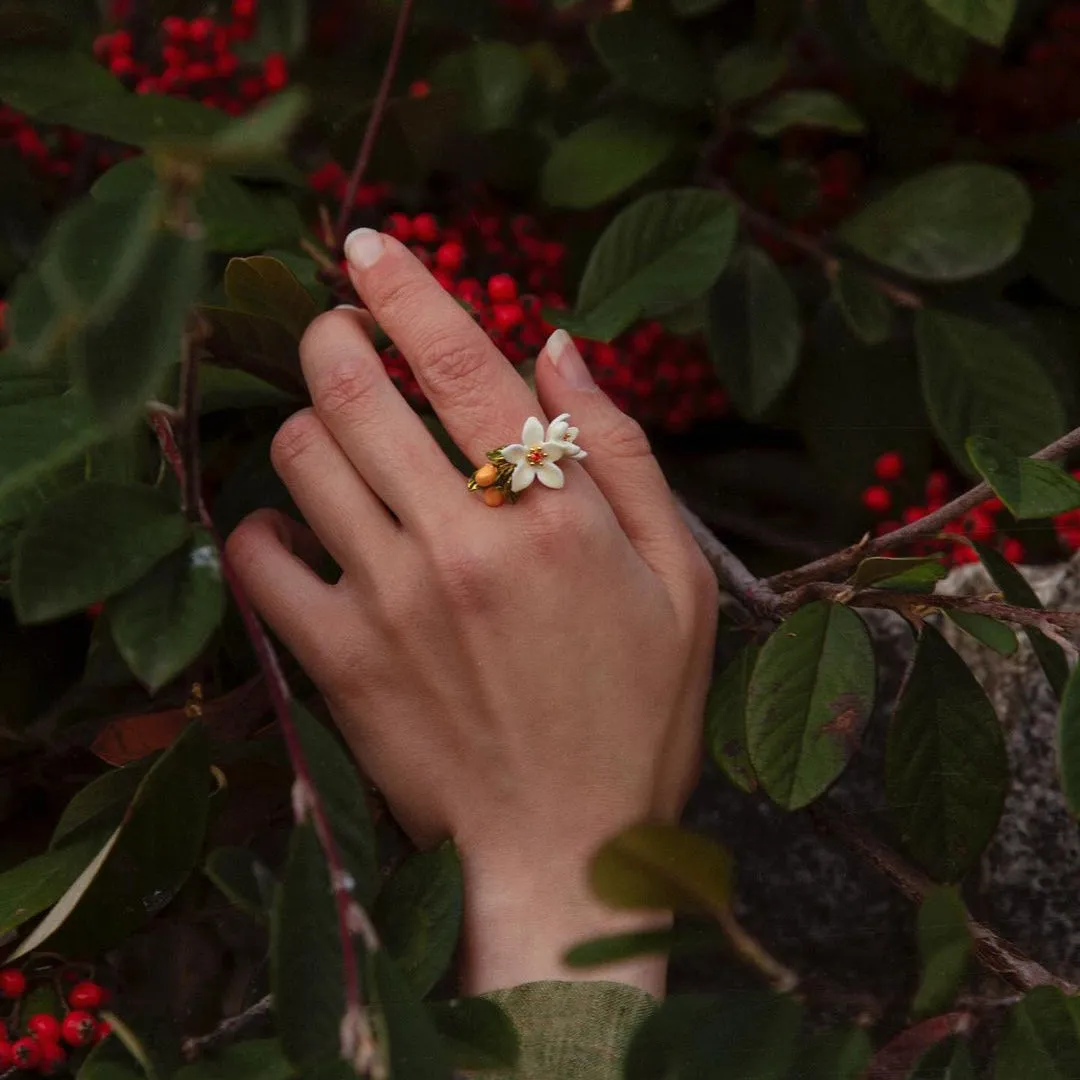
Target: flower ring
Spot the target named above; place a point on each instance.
(512, 468)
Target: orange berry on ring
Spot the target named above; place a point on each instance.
(494, 497)
(485, 475)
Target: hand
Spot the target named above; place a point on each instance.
(528, 680)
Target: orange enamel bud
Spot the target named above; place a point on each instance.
(485, 475)
(494, 497)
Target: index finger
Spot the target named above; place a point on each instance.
(473, 388)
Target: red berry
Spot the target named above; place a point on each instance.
(507, 316)
(175, 28)
(449, 255)
(913, 514)
(243, 9)
(889, 466)
(419, 89)
(79, 1027)
(425, 228)
(502, 289)
(276, 71)
(1013, 550)
(102, 1031)
(12, 983)
(44, 1027)
(25, 1053)
(53, 1057)
(201, 29)
(937, 485)
(6, 1057)
(399, 227)
(877, 499)
(87, 995)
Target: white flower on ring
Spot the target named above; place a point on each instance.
(560, 431)
(534, 458)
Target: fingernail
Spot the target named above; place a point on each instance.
(567, 361)
(364, 248)
(347, 307)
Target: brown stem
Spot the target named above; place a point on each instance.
(842, 561)
(358, 1040)
(378, 110)
(782, 979)
(190, 494)
(991, 950)
(230, 1027)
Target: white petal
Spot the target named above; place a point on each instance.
(555, 430)
(524, 475)
(550, 475)
(578, 453)
(571, 433)
(533, 432)
(562, 416)
(554, 450)
(514, 453)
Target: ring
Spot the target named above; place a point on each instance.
(512, 468)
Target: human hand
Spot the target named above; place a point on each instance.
(527, 680)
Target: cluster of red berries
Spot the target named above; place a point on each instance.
(47, 1040)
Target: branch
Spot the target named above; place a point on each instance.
(231, 1026)
(358, 1039)
(378, 110)
(842, 561)
(997, 955)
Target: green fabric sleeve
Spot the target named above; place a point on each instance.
(572, 1030)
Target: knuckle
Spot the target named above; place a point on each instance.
(345, 389)
(395, 295)
(626, 438)
(453, 364)
(296, 439)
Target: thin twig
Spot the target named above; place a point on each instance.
(358, 1040)
(195, 1045)
(842, 561)
(780, 977)
(991, 950)
(378, 109)
(190, 495)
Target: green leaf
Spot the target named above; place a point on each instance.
(419, 912)
(1029, 488)
(307, 973)
(334, 775)
(604, 158)
(715, 1038)
(678, 940)
(1016, 590)
(945, 948)
(917, 574)
(477, 1033)
(110, 1060)
(1054, 238)
(805, 108)
(948, 1060)
(162, 623)
(226, 388)
(810, 695)
(90, 544)
(264, 286)
(865, 309)
(145, 861)
(923, 43)
(491, 78)
(660, 867)
(725, 719)
(650, 57)
(754, 331)
(949, 223)
(260, 135)
(661, 252)
(416, 1051)
(243, 879)
(946, 773)
(1045, 1028)
(100, 806)
(835, 1055)
(978, 381)
(254, 1059)
(987, 20)
(688, 9)
(255, 344)
(281, 27)
(748, 71)
(996, 635)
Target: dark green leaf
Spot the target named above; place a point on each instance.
(805, 108)
(688, 9)
(264, 286)
(227, 388)
(604, 158)
(1029, 488)
(416, 1051)
(932, 49)
(834, 1055)
(1054, 239)
(916, 574)
(99, 806)
(256, 344)
(662, 866)
(90, 544)
(1043, 1028)
(725, 719)
(949, 223)
(255, 1059)
(948, 1060)
(678, 940)
(163, 622)
(1016, 590)
(810, 695)
(946, 772)
(661, 252)
(335, 777)
(490, 78)
(867, 311)
(261, 135)
(987, 20)
(281, 27)
(714, 1038)
(110, 1060)
(307, 972)
(996, 635)
(747, 71)
(944, 949)
(978, 381)
(243, 879)
(754, 331)
(419, 912)
(650, 57)
(476, 1032)
(144, 863)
